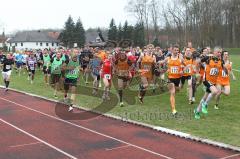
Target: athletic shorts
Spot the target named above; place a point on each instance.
(7, 74)
(124, 78)
(69, 82)
(175, 81)
(184, 78)
(208, 85)
(45, 71)
(19, 64)
(32, 71)
(39, 63)
(55, 78)
(96, 75)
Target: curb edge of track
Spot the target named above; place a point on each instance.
(156, 128)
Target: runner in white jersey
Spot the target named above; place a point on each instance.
(31, 66)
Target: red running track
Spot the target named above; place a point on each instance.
(30, 128)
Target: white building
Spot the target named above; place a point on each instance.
(34, 40)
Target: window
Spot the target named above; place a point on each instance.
(57, 44)
(40, 44)
(46, 44)
(21, 44)
(52, 44)
(15, 44)
(37, 43)
(10, 44)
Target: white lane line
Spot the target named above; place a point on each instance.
(22, 145)
(115, 148)
(38, 139)
(90, 130)
(227, 157)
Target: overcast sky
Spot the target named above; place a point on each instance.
(36, 14)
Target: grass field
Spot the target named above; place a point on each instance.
(221, 125)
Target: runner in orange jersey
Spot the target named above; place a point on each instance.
(174, 62)
(147, 61)
(223, 80)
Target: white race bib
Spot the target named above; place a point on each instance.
(8, 67)
(213, 71)
(107, 76)
(224, 74)
(174, 70)
(187, 70)
(146, 67)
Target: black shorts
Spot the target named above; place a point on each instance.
(124, 78)
(70, 82)
(45, 71)
(175, 81)
(55, 78)
(39, 63)
(19, 64)
(208, 85)
(97, 75)
(184, 78)
(31, 71)
(84, 67)
(156, 72)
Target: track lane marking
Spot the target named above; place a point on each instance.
(38, 139)
(90, 130)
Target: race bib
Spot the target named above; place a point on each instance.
(73, 72)
(107, 76)
(213, 71)
(174, 70)
(224, 74)
(8, 67)
(187, 70)
(146, 67)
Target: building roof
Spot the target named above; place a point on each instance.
(35, 36)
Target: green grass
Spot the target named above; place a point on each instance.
(220, 125)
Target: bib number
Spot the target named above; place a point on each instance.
(146, 67)
(174, 70)
(213, 71)
(8, 67)
(187, 70)
(224, 74)
(73, 72)
(107, 76)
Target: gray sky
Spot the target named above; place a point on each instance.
(36, 14)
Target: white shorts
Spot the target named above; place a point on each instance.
(7, 74)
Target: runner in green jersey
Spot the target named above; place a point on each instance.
(56, 68)
(71, 69)
(46, 59)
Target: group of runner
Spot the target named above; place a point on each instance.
(151, 64)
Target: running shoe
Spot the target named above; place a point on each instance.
(190, 102)
(121, 104)
(193, 99)
(174, 112)
(204, 108)
(70, 109)
(196, 114)
(140, 99)
(216, 107)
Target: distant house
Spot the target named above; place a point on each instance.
(34, 40)
(94, 40)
